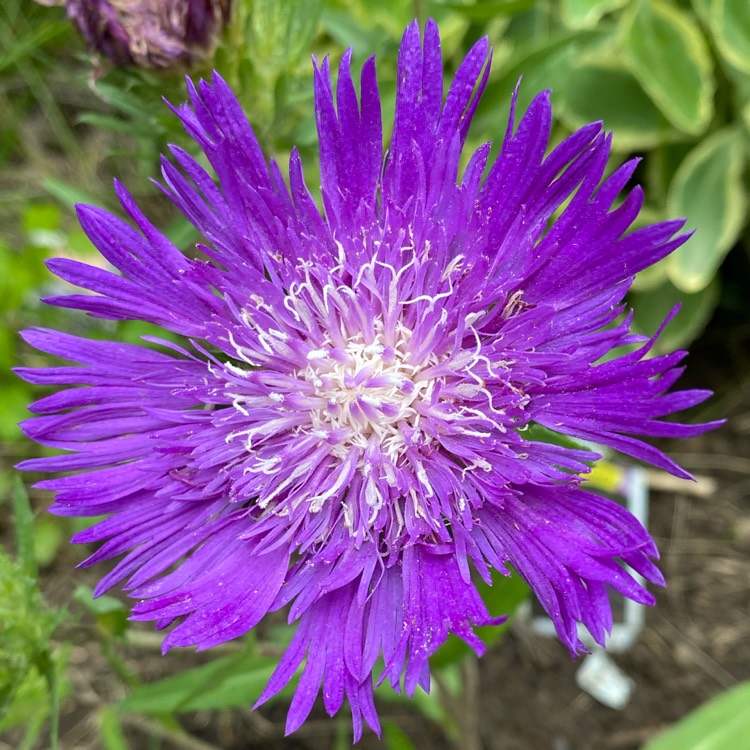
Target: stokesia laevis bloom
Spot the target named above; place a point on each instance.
(345, 428)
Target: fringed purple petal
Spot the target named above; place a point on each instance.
(351, 143)
(319, 637)
(567, 544)
(436, 601)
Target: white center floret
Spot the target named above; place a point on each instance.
(366, 391)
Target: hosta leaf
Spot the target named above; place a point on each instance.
(666, 51)
(487, 10)
(614, 96)
(585, 14)
(702, 9)
(730, 23)
(707, 189)
(538, 66)
(650, 309)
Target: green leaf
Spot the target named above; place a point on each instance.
(48, 536)
(721, 724)
(29, 44)
(702, 9)
(614, 96)
(541, 66)
(117, 124)
(122, 99)
(485, 10)
(280, 31)
(23, 521)
(102, 605)
(708, 190)
(395, 738)
(585, 14)
(650, 309)
(45, 216)
(541, 434)
(30, 701)
(348, 32)
(111, 614)
(113, 738)
(730, 23)
(182, 232)
(664, 48)
(13, 400)
(29, 670)
(650, 278)
(304, 16)
(343, 737)
(66, 193)
(426, 703)
(234, 681)
(660, 168)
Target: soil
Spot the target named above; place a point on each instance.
(695, 643)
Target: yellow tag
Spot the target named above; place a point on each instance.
(605, 475)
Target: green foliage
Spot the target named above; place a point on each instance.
(486, 11)
(49, 534)
(730, 23)
(110, 730)
(695, 311)
(708, 188)
(24, 625)
(395, 738)
(614, 95)
(586, 14)
(667, 53)
(23, 523)
(110, 613)
(721, 724)
(233, 681)
(266, 60)
(32, 701)
(30, 668)
(23, 275)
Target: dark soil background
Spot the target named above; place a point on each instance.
(696, 641)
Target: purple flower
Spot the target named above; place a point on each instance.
(352, 424)
(148, 33)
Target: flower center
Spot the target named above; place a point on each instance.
(367, 392)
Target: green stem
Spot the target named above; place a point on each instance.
(420, 11)
(54, 707)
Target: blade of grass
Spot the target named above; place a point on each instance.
(20, 48)
(23, 520)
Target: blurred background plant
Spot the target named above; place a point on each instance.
(670, 78)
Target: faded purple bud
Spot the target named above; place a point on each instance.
(149, 33)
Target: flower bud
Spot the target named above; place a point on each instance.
(149, 33)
